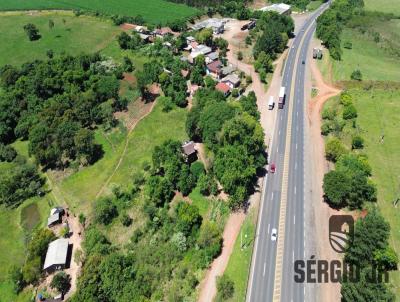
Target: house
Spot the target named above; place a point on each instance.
(217, 25)
(214, 68)
(280, 8)
(190, 39)
(56, 256)
(142, 29)
(227, 70)
(232, 80)
(163, 31)
(144, 37)
(224, 88)
(199, 50)
(189, 152)
(212, 56)
(55, 216)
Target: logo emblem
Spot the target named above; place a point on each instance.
(341, 231)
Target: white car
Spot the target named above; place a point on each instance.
(274, 234)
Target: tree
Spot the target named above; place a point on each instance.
(104, 210)
(207, 185)
(362, 190)
(126, 220)
(32, 32)
(188, 218)
(17, 279)
(61, 282)
(336, 186)
(240, 55)
(50, 53)
(205, 36)
(334, 149)
(356, 75)
(197, 169)
(357, 142)
(225, 288)
(386, 259)
(128, 65)
(7, 153)
(159, 190)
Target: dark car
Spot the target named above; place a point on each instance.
(303, 62)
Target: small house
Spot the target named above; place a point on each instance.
(232, 80)
(163, 31)
(56, 256)
(227, 70)
(199, 50)
(280, 8)
(214, 68)
(217, 25)
(55, 216)
(224, 88)
(211, 57)
(189, 152)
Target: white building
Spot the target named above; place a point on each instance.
(217, 25)
(280, 8)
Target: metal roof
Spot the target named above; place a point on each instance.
(53, 218)
(56, 253)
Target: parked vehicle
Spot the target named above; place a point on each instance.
(281, 100)
(272, 168)
(271, 103)
(315, 53)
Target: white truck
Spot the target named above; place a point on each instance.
(271, 103)
(281, 100)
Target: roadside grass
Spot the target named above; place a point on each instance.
(313, 5)
(77, 35)
(386, 6)
(240, 260)
(81, 187)
(154, 11)
(379, 114)
(374, 62)
(200, 201)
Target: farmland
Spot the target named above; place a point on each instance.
(153, 11)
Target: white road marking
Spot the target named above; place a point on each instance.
(264, 268)
(279, 133)
(294, 219)
(297, 113)
(296, 146)
(293, 255)
(268, 228)
(294, 190)
(272, 196)
(295, 165)
(277, 149)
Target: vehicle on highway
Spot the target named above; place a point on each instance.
(281, 100)
(272, 168)
(274, 234)
(271, 103)
(303, 62)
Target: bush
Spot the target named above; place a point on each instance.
(126, 220)
(249, 80)
(235, 92)
(348, 45)
(7, 153)
(357, 142)
(349, 112)
(225, 288)
(326, 128)
(334, 149)
(62, 282)
(240, 55)
(104, 210)
(197, 169)
(346, 99)
(356, 75)
(32, 32)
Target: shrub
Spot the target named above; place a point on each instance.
(235, 92)
(348, 45)
(32, 32)
(126, 220)
(328, 114)
(7, 153)
(326, 128)
(62, 282)
(225, 288)
(346, 99)
(356, 75)
(249, 80)
(357, 142)
(240, 55)
(334, 149)
(197, 169)
(349, 112)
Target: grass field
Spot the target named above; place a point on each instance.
(386, 6)
(239, 262)
(313, 5)
(374, 62)
(154, 11)
(77, 35)
(81, 187)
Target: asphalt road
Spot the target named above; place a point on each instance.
(262, 274)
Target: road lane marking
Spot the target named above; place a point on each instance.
(264, 268)
(294, 190)
(272, 196)
(294, 219)
(296, 146)
(268, 228)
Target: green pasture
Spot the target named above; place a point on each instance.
(154, 11)
(70, 34)
(386, 6)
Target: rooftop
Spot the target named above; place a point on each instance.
(188, 148)
(280, 8)
(222, 87)
(214, 66)
(56, 253)
(233, 78)
(209, 23)
(53, 219)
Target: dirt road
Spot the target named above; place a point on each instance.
(318, 166)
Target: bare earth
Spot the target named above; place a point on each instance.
(318, 166)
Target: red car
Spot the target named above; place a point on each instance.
(272, 168)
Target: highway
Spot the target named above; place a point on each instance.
(282, 201)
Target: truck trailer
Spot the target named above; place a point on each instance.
(271, 103)
(281, 100)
